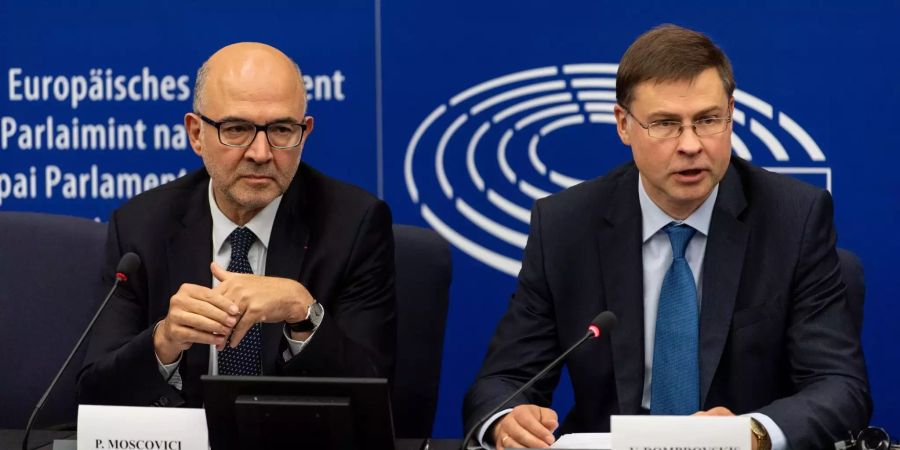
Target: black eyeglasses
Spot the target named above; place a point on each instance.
(241, 133)
(870, 438)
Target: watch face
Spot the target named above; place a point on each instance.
(316, 312)
(762, 436)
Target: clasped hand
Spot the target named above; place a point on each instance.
(223, 315)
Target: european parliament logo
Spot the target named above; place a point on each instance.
(477, 163)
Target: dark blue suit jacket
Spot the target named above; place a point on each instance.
(775, 336)
(334, 238)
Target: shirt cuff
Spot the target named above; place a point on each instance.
(170, 373)
(487, 425)
(166, 370)
(294, 346)
(779, 440)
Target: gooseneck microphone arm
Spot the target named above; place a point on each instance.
(603, 321)
(128, 264)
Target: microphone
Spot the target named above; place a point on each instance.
(604, 321)
(127, 265)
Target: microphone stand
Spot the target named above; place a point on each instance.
(534, 379)
(40, 404)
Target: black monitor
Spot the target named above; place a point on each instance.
(261, 412)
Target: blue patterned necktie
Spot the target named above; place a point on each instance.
(245, 359)
(675, 386)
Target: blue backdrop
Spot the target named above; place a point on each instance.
(460, 114)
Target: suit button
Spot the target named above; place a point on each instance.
(163, 401)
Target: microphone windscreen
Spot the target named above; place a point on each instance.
(129, 263)
(605, 321)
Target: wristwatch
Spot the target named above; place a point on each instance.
(761, 435)
(314, 314)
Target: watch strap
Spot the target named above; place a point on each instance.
(313, 318)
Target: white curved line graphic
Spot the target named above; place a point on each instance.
(738, 116)
(411, 149)
(532, 190)
(769, 139)
(533, 156)
(805, 170)
(805, 140)
(502, 263)
(603, 118)
(753, 102)
(563, 180)
(501, 157)
(596, 95)
(581, 83)
(545, 113)
(533, 103)
(739, 147)
(536, 103)
(514, 210)
(500, 81)
(503, 233)
(570, 69)
(597, 107)
(519, 92)
(439, 158)
(470, 156)
(577, 119)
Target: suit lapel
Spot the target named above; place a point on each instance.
(619, 241)
(285, 255)
(722, 266)
(189, 252)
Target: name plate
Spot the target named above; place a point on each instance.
(680, 433)
(138, 428)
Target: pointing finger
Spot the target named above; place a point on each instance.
(240, 330)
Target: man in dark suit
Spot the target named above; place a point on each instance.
(309, 285)
(724, 278)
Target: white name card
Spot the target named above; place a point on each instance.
(680, 433)
(136, 428)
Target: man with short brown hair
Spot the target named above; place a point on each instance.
(724, 278)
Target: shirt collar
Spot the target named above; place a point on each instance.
(654, 218)
(261, 224)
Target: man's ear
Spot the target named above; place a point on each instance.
(192, 126)
(308, 120)
(622, 124)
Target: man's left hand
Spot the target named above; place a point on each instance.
(261, 299)
(717, 411)
(723, 411)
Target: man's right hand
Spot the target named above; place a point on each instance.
(526, 426)
(197, 315)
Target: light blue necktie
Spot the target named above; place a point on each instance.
(245, 359)
(675, 386)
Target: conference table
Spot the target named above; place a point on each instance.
(43, 440)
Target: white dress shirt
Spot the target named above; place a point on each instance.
(656, 256)
(261, 225)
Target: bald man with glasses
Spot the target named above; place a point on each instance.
(256, 264)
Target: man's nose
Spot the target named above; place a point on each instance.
(689, 142)
(259, 150)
